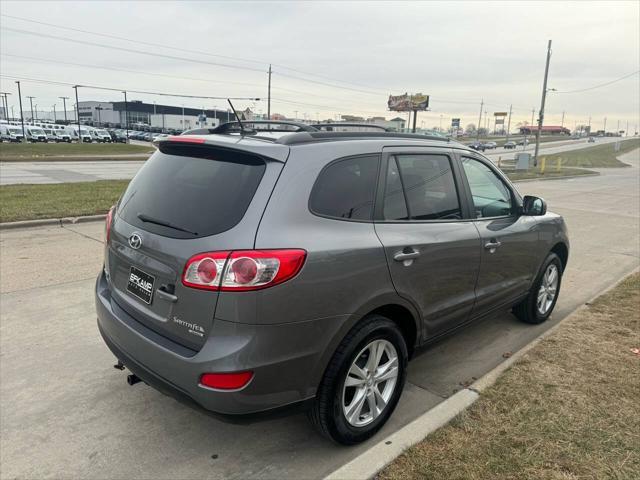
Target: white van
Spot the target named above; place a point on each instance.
(35, 134)
(84, 132)
(10, 133)
(102, 135)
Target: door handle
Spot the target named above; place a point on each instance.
(402, 256)
(492, 245)
(169, 297)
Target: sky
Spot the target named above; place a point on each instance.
(333, 58)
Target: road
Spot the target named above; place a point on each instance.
(86, 170)
(67, 413)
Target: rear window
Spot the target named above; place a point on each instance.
(192, 192)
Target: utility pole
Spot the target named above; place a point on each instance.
(562, 124)
(605, 126)
(31, 103)
(24, 136)
(479, 120)
(126, 116)
(78, 115)
(55, 119)
(5, 104)
(544, 97)
(64, 103)
(269, 96)
(509, 123)
(99, 109)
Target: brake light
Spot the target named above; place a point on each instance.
(107, 224)
(242, 270)
(226, 381)
(204, 270)
(186, 139)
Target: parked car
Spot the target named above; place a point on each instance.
(100, 135)
(51, 135)
(260, 282)
(591, 140)
(62, 135)
(159, 136)
(509, 145)
(478, 146)
(118, 137)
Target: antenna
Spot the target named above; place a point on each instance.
(237, 117)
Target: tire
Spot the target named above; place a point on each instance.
(529, 310)
(328, 412)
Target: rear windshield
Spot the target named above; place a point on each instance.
(193, 191)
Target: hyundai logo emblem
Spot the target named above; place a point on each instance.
(135, 241)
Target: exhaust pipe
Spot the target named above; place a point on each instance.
(133, 379)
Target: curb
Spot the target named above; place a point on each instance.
(46, 222)
(524, 180)
(370, 462)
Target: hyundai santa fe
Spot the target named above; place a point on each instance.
(249, 272)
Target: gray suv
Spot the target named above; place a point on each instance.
(247, 273)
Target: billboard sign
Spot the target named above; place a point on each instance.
(499, 121)
(455, 122)
(500, 114)
(408, 103)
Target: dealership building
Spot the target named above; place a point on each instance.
(136, 112)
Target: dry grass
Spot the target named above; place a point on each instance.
(570, 409)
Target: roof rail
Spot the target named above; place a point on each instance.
(330, 127)
(310, 137)
(250, 127)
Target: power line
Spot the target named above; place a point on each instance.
(129, 50)
(142, 92)
(600, 85)
(198, 52)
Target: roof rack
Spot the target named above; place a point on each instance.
(330, 127)
(233, 127)
(309, 137)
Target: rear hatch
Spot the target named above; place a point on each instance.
(187, 199)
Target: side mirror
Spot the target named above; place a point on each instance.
(533, 205)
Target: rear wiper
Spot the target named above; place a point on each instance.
(148, 219)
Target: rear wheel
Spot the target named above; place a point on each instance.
(542, 298)
(363, 382)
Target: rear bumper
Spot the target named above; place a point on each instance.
(287, 359)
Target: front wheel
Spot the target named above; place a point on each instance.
(363, 382)
(542, 298)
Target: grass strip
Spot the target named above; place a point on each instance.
(30, 202)
(567, 410)
(32, 151)
(603, 155)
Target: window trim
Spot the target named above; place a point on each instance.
(375, 191)
(516, 201)
(390, 154)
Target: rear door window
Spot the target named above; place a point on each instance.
(429, 189)
(192, 192)
(346, 188)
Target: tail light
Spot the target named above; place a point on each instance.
(107, 224)
(242, 270)
(226, 381)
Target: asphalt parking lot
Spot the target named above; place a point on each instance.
(67, 413)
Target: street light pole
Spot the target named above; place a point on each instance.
(5, 104)
(78, 115)
(24, 137)
(269, 96)
(509, 123)
(126, 116)
(55, 116)
(479, 120)
(31, 103)
(544, 97)
(64, 104)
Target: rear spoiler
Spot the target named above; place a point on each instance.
(265, 149)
